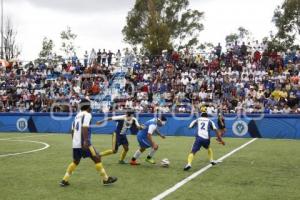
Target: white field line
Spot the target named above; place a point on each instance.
(22, 137)
(202, 170)
(25, 152)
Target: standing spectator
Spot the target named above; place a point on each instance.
(99, 56)
(109, 58)
(86, 58)
(127, 57)
(93, 57)
(219, 50)
(118, 56)
(244, 50)
(74, 59)
(104, 57)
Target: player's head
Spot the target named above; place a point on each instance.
(161, 120)
(220, 114)
(85, 105)
(204, 114)
(129, 115)
(203, 109)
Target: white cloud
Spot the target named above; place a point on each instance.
(35, 19)
(224, 17)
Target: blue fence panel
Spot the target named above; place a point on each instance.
(270, 126)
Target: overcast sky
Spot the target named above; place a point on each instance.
(98, 23)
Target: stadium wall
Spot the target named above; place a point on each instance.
(268, 126)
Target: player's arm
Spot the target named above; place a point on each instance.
(160, 134)
(114, 118)
(98, 123)
(138, 125)
(151, 130)
(85, 130)
(73, 128)
(193, 124)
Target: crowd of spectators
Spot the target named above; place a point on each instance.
(46, 87)
(241, 78)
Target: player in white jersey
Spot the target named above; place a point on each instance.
(124, 124)
(82, 146)
(205, 125)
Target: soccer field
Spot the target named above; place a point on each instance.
(265, 169)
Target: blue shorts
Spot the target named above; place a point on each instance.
(143, 142)
(200, 142)
(119, 140)
(84, 153)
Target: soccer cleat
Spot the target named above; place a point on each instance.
(110, 180)
(150, 160)
(214, 162)
(133, 162)
(122, 162)
(64, 183)
(187, 167)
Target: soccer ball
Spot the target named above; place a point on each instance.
(165, 162)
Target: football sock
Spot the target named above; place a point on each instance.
(123, 154)
(106, 153)
(151, 153)
(100, 168)
(210, 154)
(71, 168)
(190, 158)
(136, 155)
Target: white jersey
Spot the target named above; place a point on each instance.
(204, 126)
(124, 124)
(82, 119)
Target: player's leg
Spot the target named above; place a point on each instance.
(196, 147)
(122, 140)
(113, 150)
(92, 153)
(77, 154)
(206, 145)
(149, 158)
(124, 153)
(223, 132)
(144, 144)
(138, 152)
(137, 155)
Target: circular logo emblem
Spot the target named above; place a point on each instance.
(240, 128)
(22, 124)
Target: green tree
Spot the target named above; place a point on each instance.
(47, 55)
(68, 42)
(47, 49)
(162, 24)
(11, 48)
(206, 47)
(241, 35)
(231, 38)
(287, 20)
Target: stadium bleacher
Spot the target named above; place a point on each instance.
(256, 81)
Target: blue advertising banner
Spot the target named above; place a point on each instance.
(268, 126)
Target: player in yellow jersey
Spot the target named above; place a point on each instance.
(82, 146)
(204, 125)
